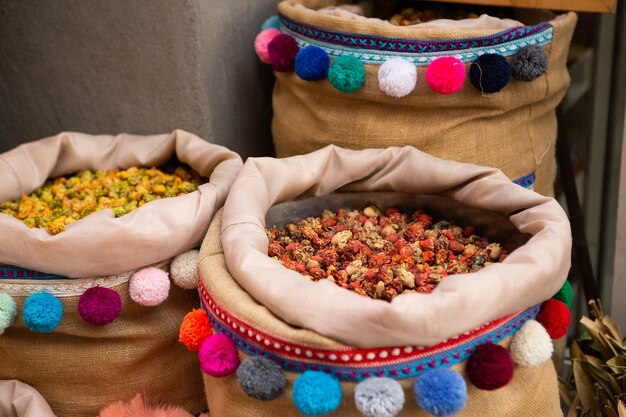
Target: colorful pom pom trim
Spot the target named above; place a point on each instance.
(42, 310)
(438, 389)
(446, 59)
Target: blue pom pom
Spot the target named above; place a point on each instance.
(311, 63)
(42, 312)
(441, 392)
(490, 73)
(316, 393)
(271, 22)
(379, 397)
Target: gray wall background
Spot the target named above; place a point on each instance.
(135, 66)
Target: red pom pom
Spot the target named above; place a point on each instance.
(445, 75)
(194, 329)
(554, 317)
(282, 51)
(490, 367)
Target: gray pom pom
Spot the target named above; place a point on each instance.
(529, 63)
(379, 397)
(261, 378)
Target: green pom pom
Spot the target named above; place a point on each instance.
(565, 294)
(347, 73)
(8, 311)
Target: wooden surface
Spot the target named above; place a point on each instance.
(603, 6)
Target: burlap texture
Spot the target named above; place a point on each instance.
(79, 368)
(513, 130)
(532, 392)
(153, 233)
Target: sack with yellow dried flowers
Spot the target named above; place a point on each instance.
(93, 230)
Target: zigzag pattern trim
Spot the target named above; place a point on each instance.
(376, 50)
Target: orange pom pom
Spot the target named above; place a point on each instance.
(194, 329)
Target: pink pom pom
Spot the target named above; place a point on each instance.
(149, 286)
(218, 356)
(283, 50)
(262, 40)
(445, 75)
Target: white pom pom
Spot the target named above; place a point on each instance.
(184, 271)
(531, 345)
(397, 77)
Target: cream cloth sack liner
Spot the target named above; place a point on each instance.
(358, 12)
(101, 244)
(528, 276)
(21, 400)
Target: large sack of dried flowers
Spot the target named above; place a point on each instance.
(94, 229)
(481, 90)
(469, 335)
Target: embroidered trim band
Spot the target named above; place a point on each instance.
(375, 49)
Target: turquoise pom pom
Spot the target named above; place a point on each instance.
(316, 393)
(8, 311)
(271, 22)
(441, 392)
(42, 312)
(565, 294)
(347, 73)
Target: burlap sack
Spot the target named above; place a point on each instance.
(21, 400)
(532, 391)
(80, 368)
(101, 244)
(528, 276)
(513, 130)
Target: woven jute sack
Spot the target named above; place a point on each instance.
(256, 331)
(270, 311)
(118, 342)
(513, 129)
(79, 368)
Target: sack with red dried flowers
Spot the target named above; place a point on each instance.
(478, 344)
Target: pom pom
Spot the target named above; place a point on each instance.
(346, 73)
(138, 407)
(42, 312)
(445, 75)
(194, 329)
(440, 392)
(184, 271)
(99, 305)
(8, 311)
(262, 41)
(218, 356)
(316, 393)
(490, 73)
(271, 22)
(379, 397)
(529, 63)
(565, 294)
(311, 63)
(531, 345)
(261, 378)
(490, 367)
(397, 77)
(149, 286)
(282, 52)
(555, 317)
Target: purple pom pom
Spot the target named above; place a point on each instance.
(99, 306)
(282, 51)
